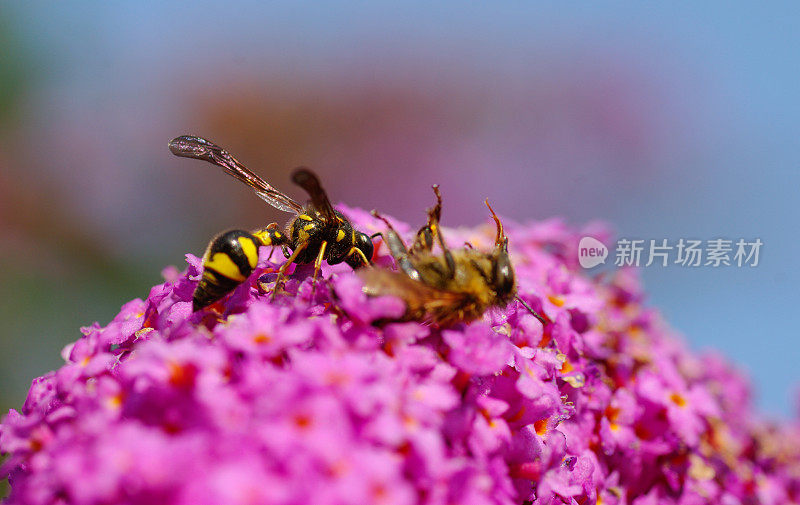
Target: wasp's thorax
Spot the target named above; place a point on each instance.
(338, 237)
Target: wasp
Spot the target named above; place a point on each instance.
(457, 286)
(317, 232)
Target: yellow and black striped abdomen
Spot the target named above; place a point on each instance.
(228, 261)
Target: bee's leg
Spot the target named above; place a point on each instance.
(542, 319)
(282, 270)
(318, 266)
(398, 248)
(424, 239)
(450, 263)
(434, 216)
(432, 230)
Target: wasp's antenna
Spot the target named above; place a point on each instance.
(542, 319)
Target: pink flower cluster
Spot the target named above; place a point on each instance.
(304, 401)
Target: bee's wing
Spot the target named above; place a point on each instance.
(422, 301)
(188, 146)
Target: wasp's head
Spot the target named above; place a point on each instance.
(363, 243)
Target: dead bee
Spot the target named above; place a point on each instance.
(457, 286)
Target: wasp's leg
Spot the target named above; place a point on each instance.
(358, 252)
(398, 248)
(318, 266)
(361, 251)
(228, 261)
(282, 270)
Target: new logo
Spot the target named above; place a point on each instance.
(591, 252)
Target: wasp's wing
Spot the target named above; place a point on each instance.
(423, 302)
(309, 181)
(188, 146)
